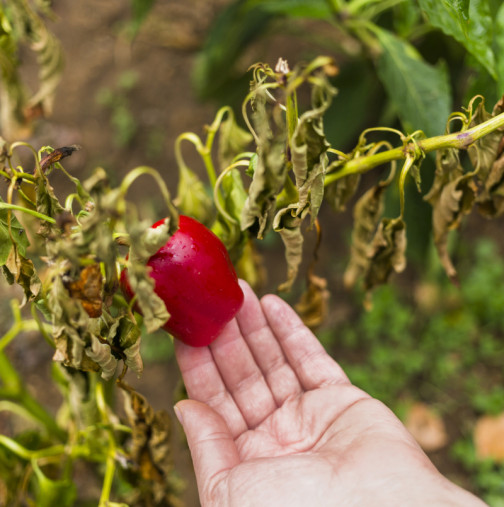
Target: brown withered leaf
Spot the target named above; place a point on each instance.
(455, 200)
(386, 253)
(101, 354)
(56, 155)
(367, 213)
(484, 151)
(448, 168)
(88, 289)
(489, 437)
(288, 225)
(490, 201)
(151, 447)
(20, 270)
(313, 304)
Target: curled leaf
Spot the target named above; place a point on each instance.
(288, 225)
(101, 354)
(484, 151)
(313, 305)
(233, 140)
(88, 289)
(367, 213)
(456, 199)
(386, 253)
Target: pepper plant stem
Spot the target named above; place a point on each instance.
(458, 140)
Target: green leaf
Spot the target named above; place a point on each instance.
(234, 29)
(314, 9)
(499, 48)
(474, 32)
(227, 228)
(419, 91)
(193, 199)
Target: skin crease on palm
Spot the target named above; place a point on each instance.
(272, 420)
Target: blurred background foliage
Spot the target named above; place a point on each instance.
(403, 64)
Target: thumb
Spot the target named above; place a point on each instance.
(212, 447)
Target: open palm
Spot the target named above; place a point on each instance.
(273, 420)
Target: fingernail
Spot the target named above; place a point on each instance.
(178, 413)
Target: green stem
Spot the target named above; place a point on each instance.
(6, 205)
(456, 140)
(15, 391)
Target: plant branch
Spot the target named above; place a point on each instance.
(458, 140)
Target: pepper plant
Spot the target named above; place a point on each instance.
(66, 254)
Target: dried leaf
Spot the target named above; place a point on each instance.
(151, 448)
(489, 437)
(6, 240)
(367, 213)
(288, 225)
(455, 200)
(313, 304)
(101, 353)
(484, 151)
(270, 171)
(308, 149)
(386, 253)
(491, 199)
(88, 289)
(20, 270)
(427, 427)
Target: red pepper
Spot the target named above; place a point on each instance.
(196, 280)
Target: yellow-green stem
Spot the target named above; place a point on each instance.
(457, 140)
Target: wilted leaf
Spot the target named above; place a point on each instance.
(20, 270)
(233, 140)
(427, 427)
(47, 203)
(18, 235)
(308, 149)
(489, 437)
(484, 151)
(289, 227)
(313, 304)
(101, 353)
(448, 168)
(270, 172)
(128, 339)
(48, 50)
(151, 447)
(337, 194)
(88, 289)
(367, 212)
(419, 91)
(455, 200)
(491, 199)
(193, 198)
(386, 252)
(250, 266)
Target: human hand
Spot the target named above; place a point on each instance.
(272, 420)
